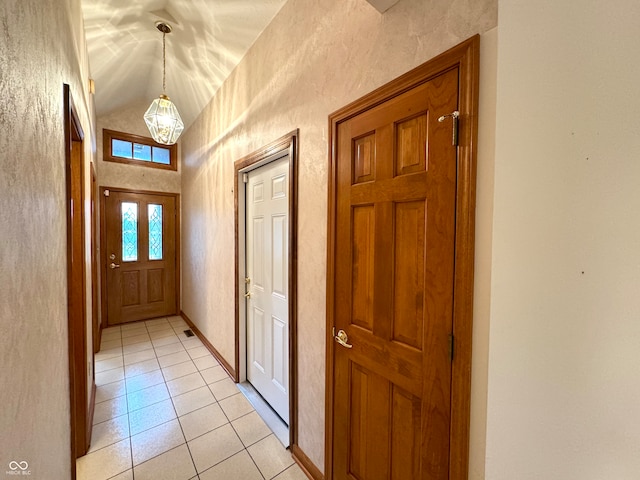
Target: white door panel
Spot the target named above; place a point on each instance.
(267, 250)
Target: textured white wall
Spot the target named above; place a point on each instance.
(315, 57)
(564, 363)
(41, 47)
(111, 174)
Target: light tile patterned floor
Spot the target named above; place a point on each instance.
(166, 410)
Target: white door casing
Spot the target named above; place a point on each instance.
(267, 254)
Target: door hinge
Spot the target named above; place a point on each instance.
(451, 346)
(245, 178)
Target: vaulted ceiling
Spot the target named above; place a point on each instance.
(209, 38)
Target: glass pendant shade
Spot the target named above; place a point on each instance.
(163, 121)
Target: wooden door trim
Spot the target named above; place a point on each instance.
(76, 281)
(103, 244)
(287, 143)
(97, 331)
(465, 57)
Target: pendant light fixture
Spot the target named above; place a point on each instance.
(162, 117)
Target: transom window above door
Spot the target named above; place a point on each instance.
(123, 147)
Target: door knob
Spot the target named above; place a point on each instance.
(113, 265)
(342, 339)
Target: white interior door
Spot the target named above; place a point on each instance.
(267, 252)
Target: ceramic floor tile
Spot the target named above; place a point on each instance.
(198, 352)
(214, 447)
(110, 390)
(141, 356)
(212, 374)
(141, 368)
(108, 364)
(155, 441)
(159, 342)
(133, 332)
(223, 388)
(131, 326)
(109, 432)
(159, 327)
(176, 464)
(109, 409)
(206, 362)
(185, 384)
(240, 466)
(144, 381)
(173, 358)
(107, 344)
(202, 421)
(270, 456)
(128, 475)
(161, 334)
(151, 416)
(136, 339)
(109, 334)
(110, 353)
(157, 321)
(148, 396)
(235, 406)
(193, 400)
(105, 463)
(250, 428)
(179, 370)
(180, 327)
(137, 347)
(294, 472)
(192, 342)
(163, 350)
(110, 376)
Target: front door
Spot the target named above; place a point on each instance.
(267, 252)
(140, 255)
(393, 295)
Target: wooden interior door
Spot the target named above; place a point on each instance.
(267, 273)
(80, 382)
(398, 222)
(140, 255)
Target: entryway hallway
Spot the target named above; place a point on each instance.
(165, 409)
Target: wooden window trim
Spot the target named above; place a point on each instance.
(108, 135)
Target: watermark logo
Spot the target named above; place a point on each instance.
(18, 468)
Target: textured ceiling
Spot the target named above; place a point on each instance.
(209, 38)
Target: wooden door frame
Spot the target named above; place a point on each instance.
(103, 245)
(288, 144)
(97, 331)
(80, 414)
(465, 57)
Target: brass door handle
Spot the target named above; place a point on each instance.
(342, 339)
(113, 265)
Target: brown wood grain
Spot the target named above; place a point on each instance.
(76, 281)
(144, 288)
(422, 275)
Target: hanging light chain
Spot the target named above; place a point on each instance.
(164, 63)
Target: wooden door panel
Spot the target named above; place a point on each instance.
(395, 222)
(143, 283)
(408, 285)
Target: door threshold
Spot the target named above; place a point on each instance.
(264, 410)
